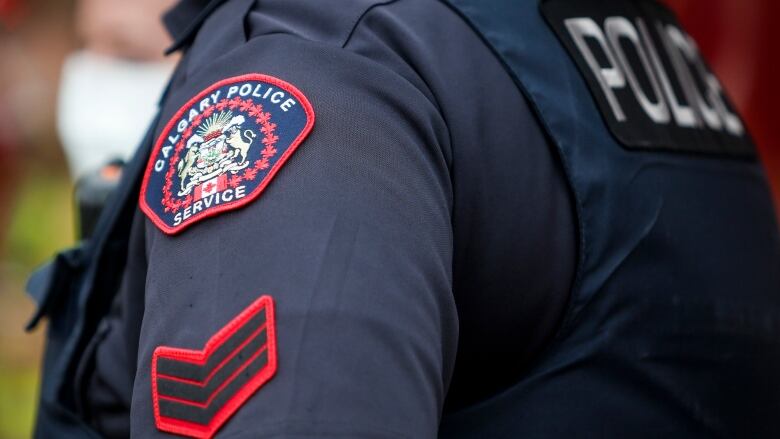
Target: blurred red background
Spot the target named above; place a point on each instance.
(742, 44)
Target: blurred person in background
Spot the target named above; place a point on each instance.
(121, 71)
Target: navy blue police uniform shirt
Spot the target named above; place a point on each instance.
(351, 223)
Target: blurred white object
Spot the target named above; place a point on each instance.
(104, 107)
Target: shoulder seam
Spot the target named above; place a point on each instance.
(433, 99)
(359, 19)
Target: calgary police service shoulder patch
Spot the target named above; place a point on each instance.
(222, 148)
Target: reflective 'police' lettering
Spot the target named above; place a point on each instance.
(646, 74)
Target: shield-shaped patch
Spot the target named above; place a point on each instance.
(222, 148)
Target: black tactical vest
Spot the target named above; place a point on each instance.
(673, 329)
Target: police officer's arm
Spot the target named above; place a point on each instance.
(350, 242)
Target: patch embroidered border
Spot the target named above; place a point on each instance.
(222, 148)
(194, 392)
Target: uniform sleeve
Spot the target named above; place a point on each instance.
(350, 244)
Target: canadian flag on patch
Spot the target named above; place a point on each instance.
(211, 187)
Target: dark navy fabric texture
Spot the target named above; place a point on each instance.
(419, 245)
(674, 318)
(459, 248)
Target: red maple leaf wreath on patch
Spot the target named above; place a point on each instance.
(268, 129)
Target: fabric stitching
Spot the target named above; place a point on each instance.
(200, 357)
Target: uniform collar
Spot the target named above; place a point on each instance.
(184, 19)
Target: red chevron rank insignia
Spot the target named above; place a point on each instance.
(195, 392)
